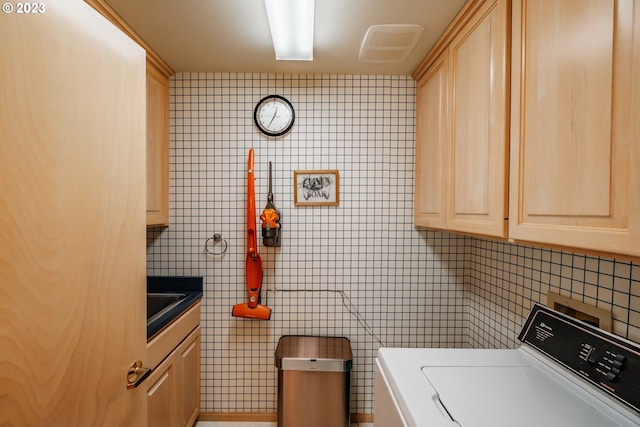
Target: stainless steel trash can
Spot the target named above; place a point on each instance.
(313, 381)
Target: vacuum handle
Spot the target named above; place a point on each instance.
(270, 195)
(252, 245)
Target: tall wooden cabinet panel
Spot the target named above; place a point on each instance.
(157, 146)
(432, 146)
(158, 76)
(479, 135)
(72, 235)
(575, 124)
(462, 128)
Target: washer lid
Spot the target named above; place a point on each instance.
(507, 396)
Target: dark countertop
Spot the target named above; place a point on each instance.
(191, 286)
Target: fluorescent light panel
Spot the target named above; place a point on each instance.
(291, 23)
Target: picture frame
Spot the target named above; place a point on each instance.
(316, 188)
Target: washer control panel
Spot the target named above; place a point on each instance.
(609, 362)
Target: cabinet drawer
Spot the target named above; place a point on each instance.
(168, 339)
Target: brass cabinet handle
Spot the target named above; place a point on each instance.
(136, 374)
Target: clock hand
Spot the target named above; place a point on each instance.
(274, 115)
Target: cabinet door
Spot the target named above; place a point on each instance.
(189, 361)
(157, 147)
(477, 191)
(161, 395)
(173, 394)
(575, 127)
(432, 146)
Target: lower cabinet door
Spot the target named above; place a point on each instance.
(161, 395)
(188, 358)
(173, 394)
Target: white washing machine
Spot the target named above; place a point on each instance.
(566, 373)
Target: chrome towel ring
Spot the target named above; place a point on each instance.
(217, 240)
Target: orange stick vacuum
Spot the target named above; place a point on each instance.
(252, 309)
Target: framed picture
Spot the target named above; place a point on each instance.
(316, 188)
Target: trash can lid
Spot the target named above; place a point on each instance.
(336, 349)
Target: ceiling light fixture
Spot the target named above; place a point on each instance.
(291, 23)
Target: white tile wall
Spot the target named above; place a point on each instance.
(358, 270)
(506, 279)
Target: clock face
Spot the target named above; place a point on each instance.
(274, 115)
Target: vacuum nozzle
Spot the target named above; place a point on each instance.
(260, 312)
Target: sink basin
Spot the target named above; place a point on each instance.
(167, 298)
(160, 303)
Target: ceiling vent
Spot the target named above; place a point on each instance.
(385, 44)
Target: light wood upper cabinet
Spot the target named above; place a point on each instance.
(575, 152)
(157, 146)
(462, 127)
(158, 76)
(479, 137)
(432, 146)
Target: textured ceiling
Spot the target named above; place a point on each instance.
(233, 35)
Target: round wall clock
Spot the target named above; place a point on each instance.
(274, 115)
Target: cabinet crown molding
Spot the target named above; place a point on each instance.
(107, 11)
(465, 14)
